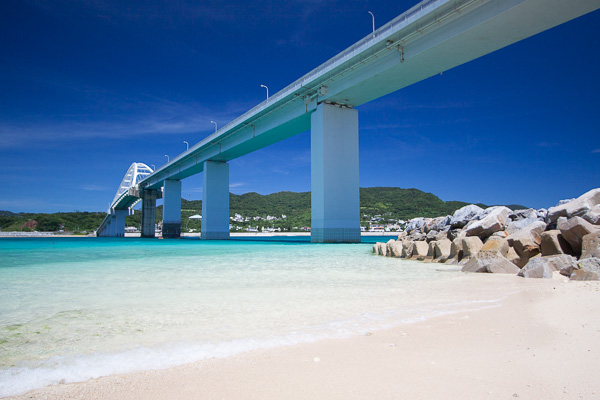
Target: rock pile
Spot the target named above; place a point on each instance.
(530, 243)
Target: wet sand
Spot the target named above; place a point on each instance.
(541, 343)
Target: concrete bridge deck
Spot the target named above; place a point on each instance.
(428, 39)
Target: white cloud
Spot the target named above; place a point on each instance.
(155, 117)
(93, 188)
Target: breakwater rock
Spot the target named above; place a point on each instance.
(530, 243)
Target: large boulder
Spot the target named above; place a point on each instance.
(442, 235)
(576, 207)
(430, 252)
(417, 236)
(394, 248)
(441, 250)
(590, 245)
(417, 224)
(495, 243)
(592, 215)
(454, 233)
(464, 215)
(520, 219)
(514, 258)
(500, 234)
(591, 264)
(565, 263)
(543, 267)
(518, 215)
(380, 248)
(537, 267)
(441, 223)
(490, 261)
(542, 214)
(431, 236)
(514, 226)
(420, 250)
(494, 221)
(526, 241)
(573, 230)
(407, 248)
(456, 251)
(470, 247)
(581, 275)
(553, 243)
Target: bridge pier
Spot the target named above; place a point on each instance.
(149, 212)
(215, 201)
(107, 230)
(113, 225)
(117, 222)
(172, 209)
(335, 196)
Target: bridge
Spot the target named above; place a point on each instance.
(125, 199)
(428, 39)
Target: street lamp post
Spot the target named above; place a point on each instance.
(153, 167)
(187, 145)
(213, 122)
(373, 18)
(167, 158)
(267, 90)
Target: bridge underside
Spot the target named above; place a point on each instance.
(439, 38)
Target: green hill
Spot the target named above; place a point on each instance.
(404, 203)
(390, 203)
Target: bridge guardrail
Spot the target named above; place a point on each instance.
(310, 76)
(402, 18)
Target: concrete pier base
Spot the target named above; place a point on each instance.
(215, 201)
(106, 231)
(335, 196)
(149, 212)
(172, 209)
(118, 223)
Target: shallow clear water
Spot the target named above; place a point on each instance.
(74, 309)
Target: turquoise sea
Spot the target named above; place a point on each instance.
(72, 309)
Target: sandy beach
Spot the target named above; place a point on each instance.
(542, 342)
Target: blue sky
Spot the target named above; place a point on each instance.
(88, 87)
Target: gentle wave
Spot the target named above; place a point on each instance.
(69, 369)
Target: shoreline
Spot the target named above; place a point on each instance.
(183, 235)
(541, 342)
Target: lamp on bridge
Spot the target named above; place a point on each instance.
(167, 158)
(267, 90)
(373, 17)
(213, 122)
(187, 144)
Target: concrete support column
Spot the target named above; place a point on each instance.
(335, 196)
(119, 222)
(107, 229)
(113, 225)
(215, 201)
(149, 212)
(172, 209)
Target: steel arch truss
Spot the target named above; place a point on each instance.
(135, 173)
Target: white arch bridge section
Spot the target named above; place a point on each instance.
(125, 199)
(430, 38)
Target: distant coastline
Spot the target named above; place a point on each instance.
(185, 235)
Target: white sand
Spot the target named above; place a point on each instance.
(542, 343)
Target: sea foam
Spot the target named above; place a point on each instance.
(72, 310)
